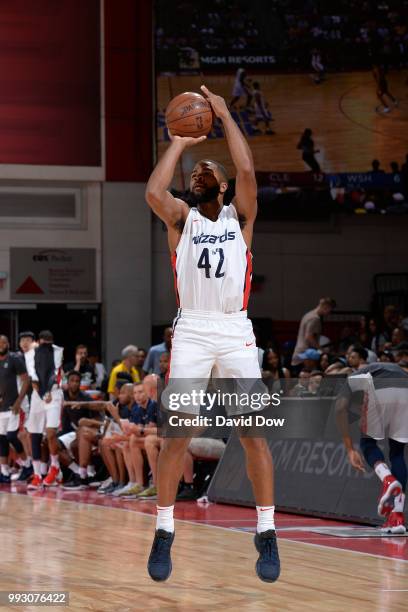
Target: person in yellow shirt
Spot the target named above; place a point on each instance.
(127, 365)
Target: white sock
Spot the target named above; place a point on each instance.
(74, 467)
(265, 518)
(382, 470)
(165, 518)
(44, 468)
(399, 502)
(82, 472)
(26, 463)
(29, 459)
(5, 469)
(37, 465)
(55, 461)
(90, 471)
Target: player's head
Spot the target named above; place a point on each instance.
(81, 353)
(4, 345)
(167, 336)
(150, 385)
(326, 305)
(139, 394)
(164, 362)
(208, 181)
(45, 337)
(129, 355)
(126, 394)
(25, 340)
(256, 85)
(74, 381)
(357, 357)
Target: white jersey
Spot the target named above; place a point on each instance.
(212, 265)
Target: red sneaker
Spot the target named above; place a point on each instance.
(390, 488)
(35, 483)
(51, 478)
(394, 523)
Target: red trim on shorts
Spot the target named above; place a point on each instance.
(248, 278)
(173, 265)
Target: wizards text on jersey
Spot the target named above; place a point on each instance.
(212, 239)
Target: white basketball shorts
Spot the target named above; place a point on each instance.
(8, 422)
(213, 343)
(210, 345)
(42, 415)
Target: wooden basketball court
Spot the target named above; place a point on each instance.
(341, 112)
(63, 541)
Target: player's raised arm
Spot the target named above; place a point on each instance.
(160, 200)
(245, 185)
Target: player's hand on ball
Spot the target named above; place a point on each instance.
(218, 103)
(186, 141)
(356, 460)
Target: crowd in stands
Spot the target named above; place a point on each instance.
(390, 201)
(106, 434)
(302, 369)
(217, 24)
(347, 34)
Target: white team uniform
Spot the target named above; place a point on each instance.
(238, 88)
(212, 271)
(42, 414)
(385, 411)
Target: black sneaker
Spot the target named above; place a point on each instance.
(159, 565)
(25, 474)
(187, 494)
(268, 564)
(76, 483)
(5, 479)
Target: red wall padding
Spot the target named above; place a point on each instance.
(128, 90)
(50, 82)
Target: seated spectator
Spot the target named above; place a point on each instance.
(152, 362)
(315, 380)
(199, 448)
(376, 338)
(310, 359)
(83, 366)
(74, 420)
(357, 357)
(164, 364)
(324, 362)
(302, 387)
(273, 374)
(112, 455)
(386, 356)
(127, 365)
(142, 423)
(152, 386)
(397, 337)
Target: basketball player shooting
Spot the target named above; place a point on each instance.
(212, 328)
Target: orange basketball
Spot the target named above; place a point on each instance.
(189, 114)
